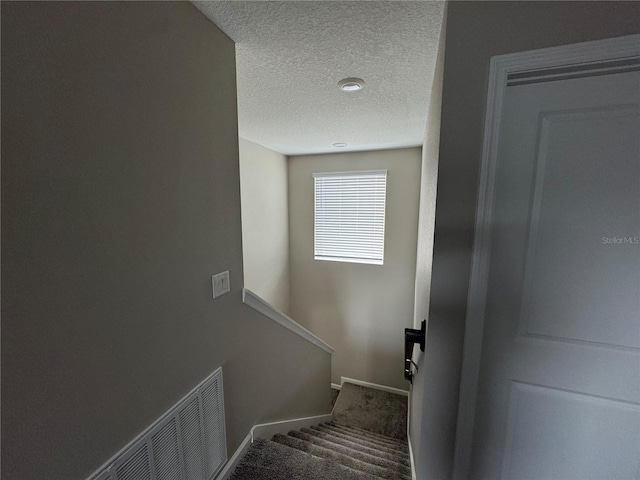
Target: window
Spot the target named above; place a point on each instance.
(349, 216)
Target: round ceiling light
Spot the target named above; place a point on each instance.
(340, 144)
(351, 84)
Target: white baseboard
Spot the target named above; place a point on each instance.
(336, 386)
(266, 431)
(413, 464)
(384, 388)
(233, 462)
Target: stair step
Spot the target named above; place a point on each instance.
(374, 459)
(340, 458)
(347, 430)
(357, 440)
(399, 458)
(363, 438)
(338, 450)
(370, 433)
(373, 436)
(389, 442)
(375, 410)
(267, 460)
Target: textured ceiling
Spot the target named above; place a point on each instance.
(291, 55)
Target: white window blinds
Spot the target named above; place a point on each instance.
(349, 216)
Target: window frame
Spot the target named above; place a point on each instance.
(354, 248)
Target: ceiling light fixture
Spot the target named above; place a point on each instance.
(351, 84)
(340, 144)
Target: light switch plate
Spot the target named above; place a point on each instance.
(220, 284)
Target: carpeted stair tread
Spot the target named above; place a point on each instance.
(353, 453)
(366, 440)
(374, 410)
(267, 460)
(362, 438)
(340, 458)
(370, 435)
(359, 440)
(375, 436)
(395, 457)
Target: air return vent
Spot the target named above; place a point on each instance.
(186, 443)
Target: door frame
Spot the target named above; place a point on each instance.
(501, 66)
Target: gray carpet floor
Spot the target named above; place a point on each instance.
(268, 460)
(341, 449)
(373, 410)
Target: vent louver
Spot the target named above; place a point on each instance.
(166, 452)
(136, 467)
(186, 443)
(192, 445)
(213, 441)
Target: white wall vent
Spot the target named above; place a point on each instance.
(186, 443)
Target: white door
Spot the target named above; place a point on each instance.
(558, 395)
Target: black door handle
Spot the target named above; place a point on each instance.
(411, 337)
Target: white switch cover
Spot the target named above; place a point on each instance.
(220, 283)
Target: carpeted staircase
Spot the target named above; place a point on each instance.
(337, 450)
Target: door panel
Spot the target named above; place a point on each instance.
(586, 423)
(584, 173)
(559, 385)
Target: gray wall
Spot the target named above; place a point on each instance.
(265, 223)
(420, 402)
(475, 32)
(360, 310)
(120, 199)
